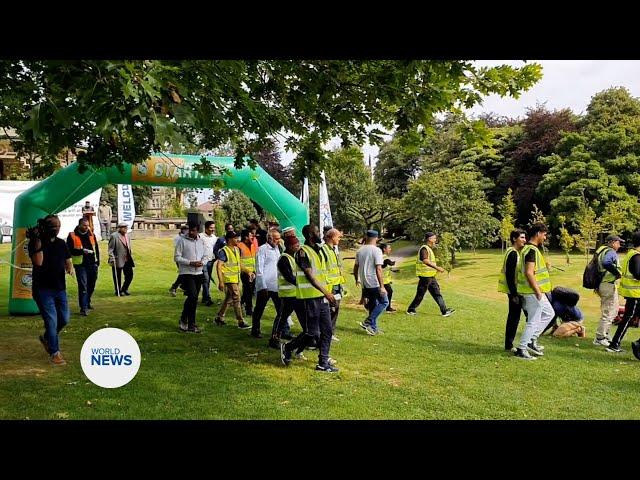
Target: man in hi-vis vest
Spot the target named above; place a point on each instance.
(630, 290)
(229, 268)
(507, 283)
(85, 255)
(312, 290)
(533, 282)
(426, 269)
(609, 268)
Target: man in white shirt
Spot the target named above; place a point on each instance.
(182, 233)
(368, 270)
(266, 278)
(209, 240)
(190, 257)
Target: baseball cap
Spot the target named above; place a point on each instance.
(231, 234)
(613, 238)
(372, 233)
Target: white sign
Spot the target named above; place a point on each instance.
(10, 189)
(110, 357)
(126, 207)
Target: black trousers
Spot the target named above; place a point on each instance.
(288, 305)
(86, 276)
(262, 297)
(128, 277)
(631, 309)
(191, 285)
(178, 281)
(318, 323)
(513, 319)
(430, 284)
(247, 293)
(387, 287)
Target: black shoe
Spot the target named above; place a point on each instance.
(524, 354)
(126, 293)
(84, 313)
(535, 349)
(244, 326)
(285, 355)
(194, 329)
(448, 312)
(635, 346)
(90, 307)
(208, 303)
(327, 368)
(256, 334)
(613, 349)
(182, 325)
(219, 321)
(274, 343)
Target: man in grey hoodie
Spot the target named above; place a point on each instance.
(190, 256)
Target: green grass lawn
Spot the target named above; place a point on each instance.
(423, 367)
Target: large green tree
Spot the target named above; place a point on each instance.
(123, 110)
(238, 209)
(451, 201)
(356, 204)
(600, 164)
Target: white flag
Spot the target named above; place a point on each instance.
(325, 208)
(126, 207)
(304, 196)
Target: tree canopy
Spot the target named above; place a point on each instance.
(113, 111)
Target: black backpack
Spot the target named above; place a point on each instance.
(592, 277)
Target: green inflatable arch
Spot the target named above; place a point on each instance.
(67, 186)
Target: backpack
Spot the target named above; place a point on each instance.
(592, 277)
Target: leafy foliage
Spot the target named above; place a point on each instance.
(122, 111)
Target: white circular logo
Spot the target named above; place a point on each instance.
(110, 357)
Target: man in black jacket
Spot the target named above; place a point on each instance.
(85, 254)
(507, 284)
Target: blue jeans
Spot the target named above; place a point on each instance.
(208, 268)
(86, 276)
(376, 305)
(55, 313)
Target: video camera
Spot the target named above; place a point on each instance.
(42, 230)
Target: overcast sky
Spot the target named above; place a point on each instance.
(564, 84)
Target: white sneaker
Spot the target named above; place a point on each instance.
(604, 342)
(332, 362)
(300, 356)
(334, 338)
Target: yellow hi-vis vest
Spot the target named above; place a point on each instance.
(386, 271)
(285, 289)
(231, 268)
(423, 270)
(502, 280)
(248, 257)
(608, 276)
(629, 286)
(319, 270)
(541, 272)
(334, 267)
(77, 244)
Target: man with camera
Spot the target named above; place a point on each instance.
(50, 258)
(85, 255)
